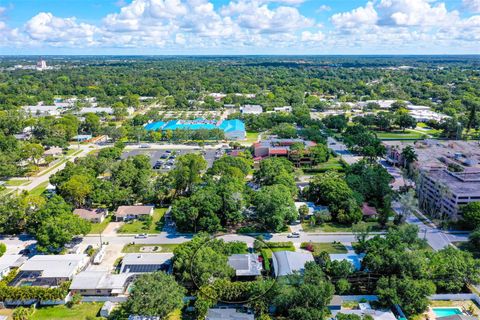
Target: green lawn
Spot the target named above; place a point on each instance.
(62, 161)
(333, 163)
(38, 190)
(267, 252)
(16, 182)
(158, 248)
(98, 228)
(319, 247)
(78, 312)
(408, 134)
(252, 137)
(334, 227)
(137, 226)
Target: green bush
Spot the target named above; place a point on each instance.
(3, 249)
(22, 313)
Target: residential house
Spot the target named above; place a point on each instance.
(228, 314)
(53, 151)
(8, 262)
(246, 265)
(289, 262)
(251, 109)
(82, 137)
(100, 283)
(283, 109)
(146, 262)
(353, 258)
(92, 215)
(125, 213)
(50, 270)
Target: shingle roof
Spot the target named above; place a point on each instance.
(133, 210)
(89, 213)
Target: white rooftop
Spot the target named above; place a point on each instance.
(98, 280)
(288, 262)
(375, 314)
(11, 261)
(146, 258)
(56, 266)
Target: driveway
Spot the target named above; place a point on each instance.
(113, 252)
(112, 228)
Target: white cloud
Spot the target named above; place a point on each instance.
(323, 8)
(45, 27)
(473, 5)
(308, 36)
(356, 18)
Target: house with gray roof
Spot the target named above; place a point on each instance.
(146, 262)
(228, 314)
(289, 262)
(100, 283)
(245, 265)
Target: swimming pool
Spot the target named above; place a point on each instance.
(445, 312)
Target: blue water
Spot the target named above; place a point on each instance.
(445, 312)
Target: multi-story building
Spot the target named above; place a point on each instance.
(443, 192)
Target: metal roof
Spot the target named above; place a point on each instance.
(288, 262)
(56, 266)
(245, 264)
(94, 280)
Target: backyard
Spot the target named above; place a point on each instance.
(78, 312)
(138, 226)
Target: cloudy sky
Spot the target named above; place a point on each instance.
(239, 26)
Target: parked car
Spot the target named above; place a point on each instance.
(294, 235)
(141, 236)
(145, 146)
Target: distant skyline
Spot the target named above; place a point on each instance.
(237, 27)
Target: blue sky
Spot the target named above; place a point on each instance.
(239, 26)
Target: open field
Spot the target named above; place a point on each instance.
(137, 226)
(407, 134)
(78, 312)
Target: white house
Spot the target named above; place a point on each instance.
(8, 262)
(251, 109)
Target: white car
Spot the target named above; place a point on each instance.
(141, 236)
(294, 235)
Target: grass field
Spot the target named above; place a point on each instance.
(407, 134)
(252, 137)
(137, 226)
(333, 163)
(161, 248)
(78, 312)
(319, 247)
(334, 227)
(98, 228)
(16, 182)
(38, 190)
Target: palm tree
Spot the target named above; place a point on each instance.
(409, 156)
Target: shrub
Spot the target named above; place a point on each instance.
(3, 249)
(22, 313)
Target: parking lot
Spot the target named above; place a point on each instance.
(164, 159)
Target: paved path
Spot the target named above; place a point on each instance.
(342, 150)
(38, 180)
